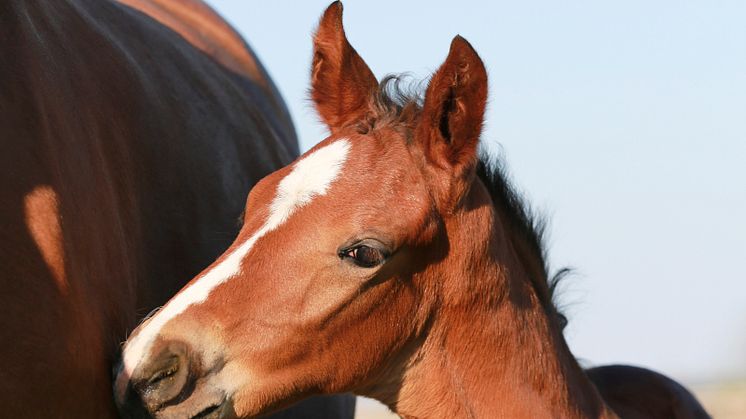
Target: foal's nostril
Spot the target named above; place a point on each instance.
(162, 379)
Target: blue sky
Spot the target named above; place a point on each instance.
(625, 122)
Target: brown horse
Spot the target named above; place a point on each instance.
(130, 133)
(388, 261)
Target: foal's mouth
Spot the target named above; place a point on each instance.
(213, 411)
(217, 408)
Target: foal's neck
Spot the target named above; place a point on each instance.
(495, 351)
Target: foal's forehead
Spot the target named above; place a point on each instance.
(383, 150)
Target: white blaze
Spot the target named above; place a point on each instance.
(310, 177)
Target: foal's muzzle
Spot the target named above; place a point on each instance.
(159, 383)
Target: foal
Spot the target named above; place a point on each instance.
(387, 261)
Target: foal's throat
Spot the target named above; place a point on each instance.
(498, 352)
(484, 370)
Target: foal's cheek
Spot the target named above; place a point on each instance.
(323, 300)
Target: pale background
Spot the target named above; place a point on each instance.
(624, 122)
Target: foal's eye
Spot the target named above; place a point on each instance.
(363, 256)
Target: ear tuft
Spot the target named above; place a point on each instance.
(330, 24)
(342, 85)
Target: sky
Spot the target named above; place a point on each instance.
(623, 122)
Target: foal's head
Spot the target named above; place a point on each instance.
(344, 257)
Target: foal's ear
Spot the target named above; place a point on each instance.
(341, 83)
(453, 114)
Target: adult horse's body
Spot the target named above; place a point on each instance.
(408, 271)
(130, 134)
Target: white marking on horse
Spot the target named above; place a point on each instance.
(310, 177)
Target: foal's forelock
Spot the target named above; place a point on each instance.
(310, 177)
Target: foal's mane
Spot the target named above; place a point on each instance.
(396, 103)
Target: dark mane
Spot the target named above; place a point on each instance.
(397, 102)
(528, 230)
